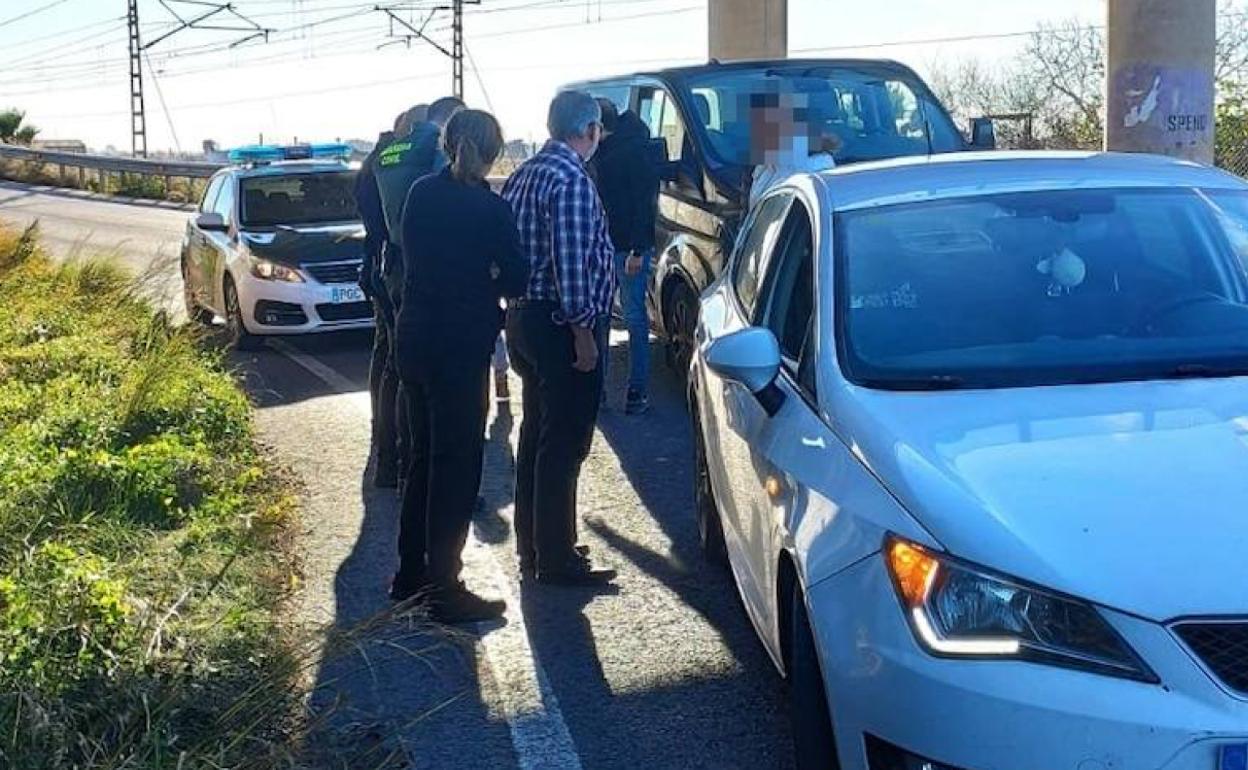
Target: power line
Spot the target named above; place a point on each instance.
(160, 95)
(28, 14)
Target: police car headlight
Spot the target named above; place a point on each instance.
(271, 271)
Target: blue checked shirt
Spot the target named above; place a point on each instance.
(563, 231)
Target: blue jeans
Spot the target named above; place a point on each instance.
(636, 320)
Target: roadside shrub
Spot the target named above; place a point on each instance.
(142, 536)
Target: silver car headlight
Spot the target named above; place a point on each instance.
(960, 611)
(272, 271)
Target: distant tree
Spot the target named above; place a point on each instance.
(14, 129)
(1059, 79)
(1230, 144)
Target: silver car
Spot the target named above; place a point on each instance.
(972, 433)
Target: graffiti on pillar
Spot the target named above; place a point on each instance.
(1167, 109)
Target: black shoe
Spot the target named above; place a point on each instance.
(578, 573)
(636, 403)
(459, 605)
(527, 570)
(402, 589)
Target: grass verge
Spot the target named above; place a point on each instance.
(143, 538)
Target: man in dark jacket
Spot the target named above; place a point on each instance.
(414, 154)
(628, 183)
(383, 379)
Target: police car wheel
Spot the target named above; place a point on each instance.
(239, 337)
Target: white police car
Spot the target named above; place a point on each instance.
(276, 245)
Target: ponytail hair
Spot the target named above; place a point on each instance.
(473, 141)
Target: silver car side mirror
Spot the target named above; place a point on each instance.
(749, 357)
(211, 222)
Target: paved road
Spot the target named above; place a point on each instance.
(76, 222)
(663, 672)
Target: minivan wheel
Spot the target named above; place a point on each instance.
(239, 337)
(710, 529)
(681, 329)
(814, 744)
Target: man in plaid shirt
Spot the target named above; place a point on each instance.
(554, 333)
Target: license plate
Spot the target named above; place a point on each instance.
(1233, 757)
(342, 294)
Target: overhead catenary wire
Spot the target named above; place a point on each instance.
(164, 107)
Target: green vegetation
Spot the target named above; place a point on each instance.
(14, 129)
(143, 552)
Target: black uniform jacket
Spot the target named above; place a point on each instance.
(463, 255)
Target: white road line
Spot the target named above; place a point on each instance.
(539, 733)
(327, 374)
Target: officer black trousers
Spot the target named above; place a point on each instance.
(383, 385)
(560, 409)
(447, 414)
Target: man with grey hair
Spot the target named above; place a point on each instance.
(553, 333)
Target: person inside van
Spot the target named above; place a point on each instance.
(784, 140)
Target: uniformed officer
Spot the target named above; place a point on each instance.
(411, 156)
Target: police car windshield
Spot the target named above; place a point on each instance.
(860, 112)
(298, 199)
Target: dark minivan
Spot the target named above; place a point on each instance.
(878, 109)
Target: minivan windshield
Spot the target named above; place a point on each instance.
(1044, 288)
(872, 113)
(298, 199)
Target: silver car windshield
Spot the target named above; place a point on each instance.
(1044, 288)
(298, 199)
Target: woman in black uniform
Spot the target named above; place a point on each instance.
(462, 254)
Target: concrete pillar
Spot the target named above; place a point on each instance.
(1160, 85)
(749, 29)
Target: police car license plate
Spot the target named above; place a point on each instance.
(342, 294)
(1233, 757)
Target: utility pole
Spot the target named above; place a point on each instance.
(1160, 80)
(457, 50)
(138, 116)
(749, 29)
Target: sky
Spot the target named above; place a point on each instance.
(331, 69)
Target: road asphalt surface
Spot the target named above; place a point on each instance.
(662, 671)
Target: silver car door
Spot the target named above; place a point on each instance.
(737, 416)
(788, 451)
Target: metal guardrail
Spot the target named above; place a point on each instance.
(112, 164)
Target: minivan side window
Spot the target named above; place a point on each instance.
(617, 93)
(755, 244)
(789, 287)
(657, 110)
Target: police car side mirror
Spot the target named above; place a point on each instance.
(211, 222)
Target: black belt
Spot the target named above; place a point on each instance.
(526, 302)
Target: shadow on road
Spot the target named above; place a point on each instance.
(274, 378)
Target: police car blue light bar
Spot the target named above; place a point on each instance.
(269, 153)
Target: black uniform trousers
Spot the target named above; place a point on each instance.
(447, 415)
(560, 410)
(383, 385)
